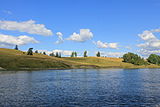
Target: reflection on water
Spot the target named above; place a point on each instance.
(81, 88)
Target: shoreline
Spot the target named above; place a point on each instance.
(37, 69)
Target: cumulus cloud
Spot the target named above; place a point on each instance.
(150, 41)
(83, 36)
(63, 52)
(29, 26)
(8, 40)
(151, 44)
(113, 45)
(100, 44)
(112, 54)
(146, 52)
(60, 38)
(147, 36)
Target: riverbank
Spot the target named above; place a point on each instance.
(11, 59)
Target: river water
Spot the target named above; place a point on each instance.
(81, 88)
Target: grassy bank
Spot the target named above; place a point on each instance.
(15, 60)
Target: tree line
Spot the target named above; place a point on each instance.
(56, 54)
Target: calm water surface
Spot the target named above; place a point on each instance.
(81, 88)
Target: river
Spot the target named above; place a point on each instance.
(81, 88)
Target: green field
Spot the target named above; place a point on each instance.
(11, 59)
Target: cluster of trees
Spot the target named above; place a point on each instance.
(154, 59)
(134, 59)
(137, 60)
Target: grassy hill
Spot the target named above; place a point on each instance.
(16, 60)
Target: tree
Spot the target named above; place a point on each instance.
(51, 54)
(30, 52)
(85, 54)
(154, 59)
(134, 59)
(75, 54)
(44, 53)
(72, 54)
(16, 47)
(36, 51)
(57, 54)
(98, 54)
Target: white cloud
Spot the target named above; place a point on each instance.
(60, 38)
(112, 54)
(150, 45)
(100, 44)
(155, 30)
(146, 52)
(84, 35)
(26, 26)
(113, 45)
(8, 40)
(150, 41)
(147, 36)
(63, 52)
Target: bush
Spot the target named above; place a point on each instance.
(154, 59)
(134, 59)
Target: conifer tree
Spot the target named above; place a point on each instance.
(75, 54)
(72, 55)
(16, 47)
(57, 54)
(85, 54)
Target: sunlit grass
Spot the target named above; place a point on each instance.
(15, 59)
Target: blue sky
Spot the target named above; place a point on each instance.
(109, 21)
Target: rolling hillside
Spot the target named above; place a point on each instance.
(17, 60)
